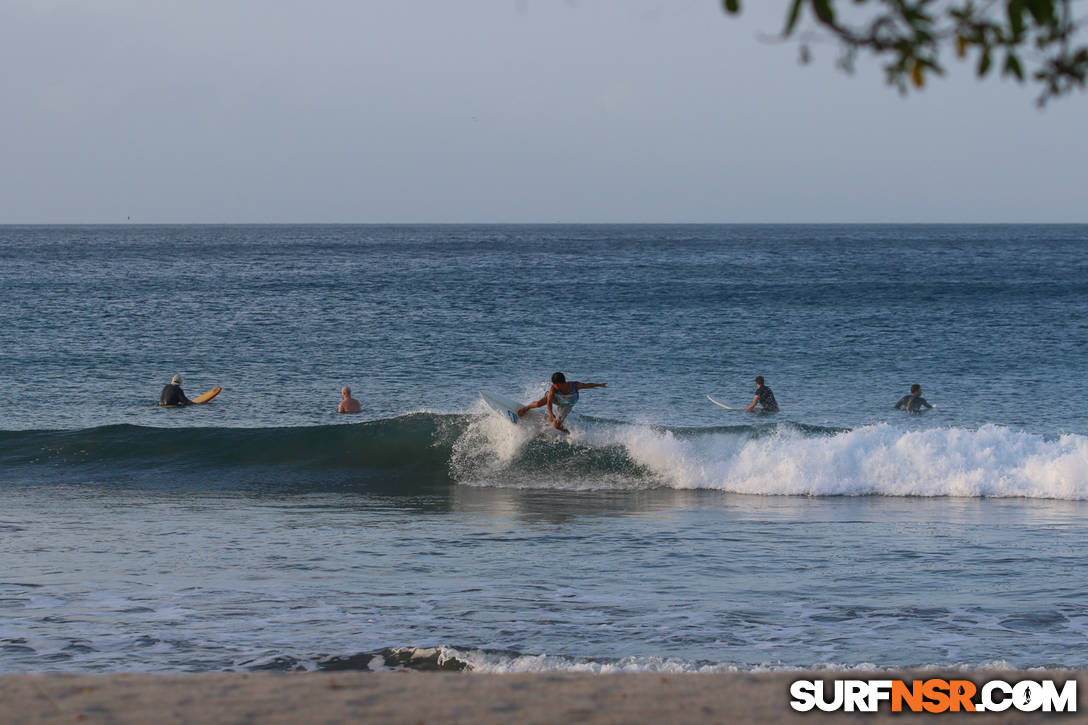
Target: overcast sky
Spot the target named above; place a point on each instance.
(498, 111)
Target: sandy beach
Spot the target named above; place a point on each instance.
(412, 697)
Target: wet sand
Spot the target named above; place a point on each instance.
(434, 697)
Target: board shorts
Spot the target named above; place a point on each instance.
(562, 411)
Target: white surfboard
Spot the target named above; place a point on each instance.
(533, 420)
(501, 406)
(720, 405)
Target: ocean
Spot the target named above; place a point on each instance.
(263, 531)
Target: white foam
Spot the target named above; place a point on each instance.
(491, 662)
(873, 460)
(881, 459)
(489, 444)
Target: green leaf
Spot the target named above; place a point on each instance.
(823, 11)
(984, 63)
(1012, 67)
(795, 14)
(1042, 11)
(1015, 10)
(731, 6)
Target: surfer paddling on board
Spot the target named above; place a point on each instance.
(348, 404)
(914, 403)
(764, 397)
(172, 394)
(562, 395)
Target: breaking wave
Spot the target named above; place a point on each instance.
(424, 449)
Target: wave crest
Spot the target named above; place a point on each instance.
(423, 449)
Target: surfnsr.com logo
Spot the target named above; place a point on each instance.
(933, 695)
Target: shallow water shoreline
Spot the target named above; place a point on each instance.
(412, 697)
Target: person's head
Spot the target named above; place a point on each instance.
(916, 389)
(759, 380)
(346, 392)
(559, 378)
(176, 380)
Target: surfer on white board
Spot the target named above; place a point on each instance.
(562, 395)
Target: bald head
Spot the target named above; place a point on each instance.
(348, 404)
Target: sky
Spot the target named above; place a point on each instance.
(429, 111)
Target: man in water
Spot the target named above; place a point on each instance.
(563, 396)
(914, 403)
(173, 395)
(348, 404)
(764, 397)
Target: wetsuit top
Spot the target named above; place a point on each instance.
(173, 395)
(766, 399)
(913, 403)
(567, 399)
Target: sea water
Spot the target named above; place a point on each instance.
(264, 531)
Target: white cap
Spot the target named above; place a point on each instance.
(176, 380)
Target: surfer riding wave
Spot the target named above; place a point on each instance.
(562, 395)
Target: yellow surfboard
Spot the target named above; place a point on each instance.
(205, 397)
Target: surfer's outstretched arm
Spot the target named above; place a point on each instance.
(592, 385)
